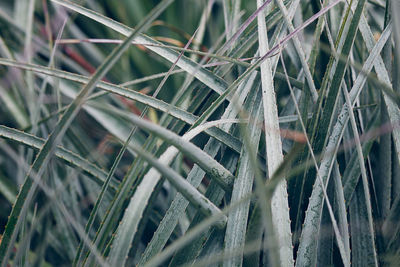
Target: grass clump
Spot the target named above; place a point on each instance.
(183, 132)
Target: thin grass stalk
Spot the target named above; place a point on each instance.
(299, 50)
(363, 174)
(215, 193)
(341, 209)
(384, 187)
(28, 53)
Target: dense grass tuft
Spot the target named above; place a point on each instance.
(199, 132)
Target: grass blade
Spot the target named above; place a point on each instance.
(280, 208)
(238, 218)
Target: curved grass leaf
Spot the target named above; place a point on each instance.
(97, 174)
(207, 163)
(130, 94)
(203, 75)
(203, 226)
(133, 214)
